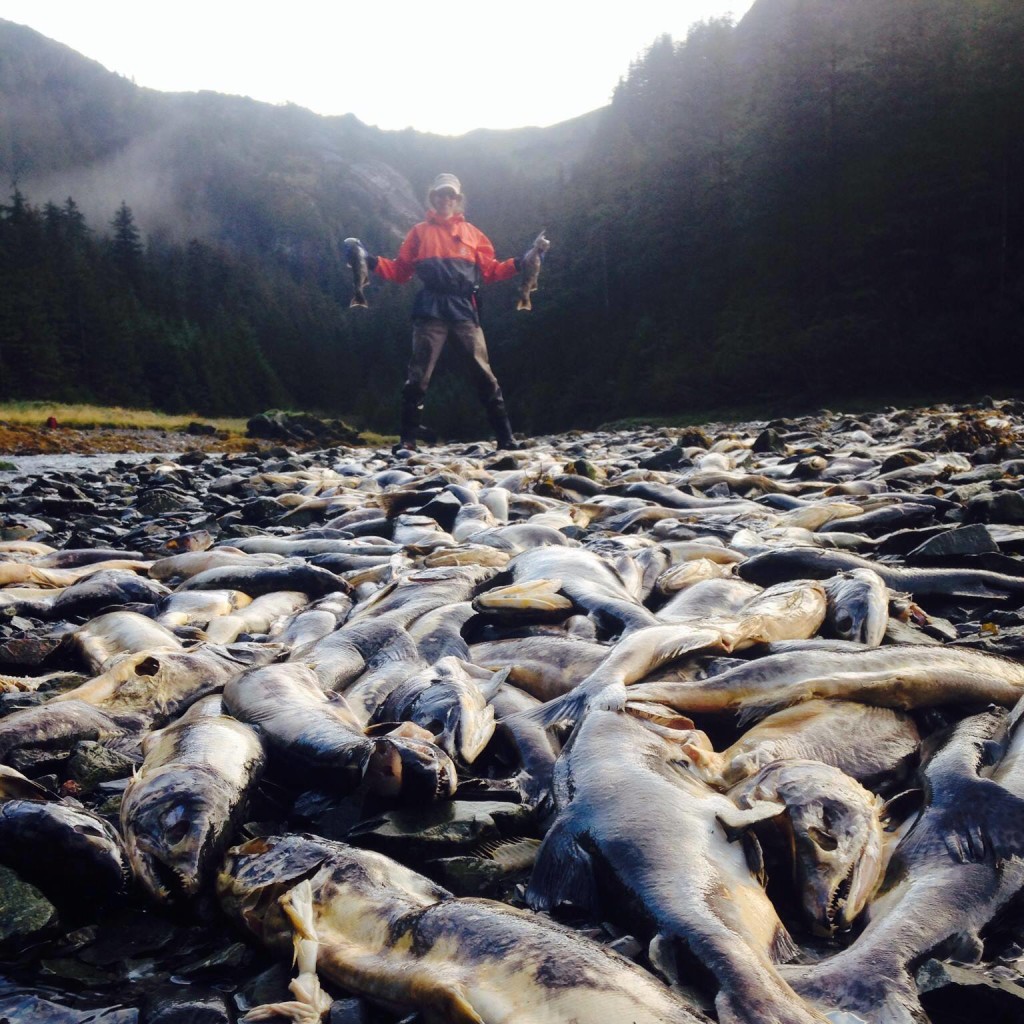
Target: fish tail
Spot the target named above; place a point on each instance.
(562, 873)
(359, 301)
(524, 303)
(569, 707)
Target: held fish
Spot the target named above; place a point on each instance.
(355, 257)
(531, 270)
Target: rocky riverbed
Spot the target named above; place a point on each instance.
(444, 606)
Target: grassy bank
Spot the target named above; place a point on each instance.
(90, 417)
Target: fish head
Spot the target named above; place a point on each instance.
(410, 767)
(255, 875)
(858, 607)
(68, 845)
(837, 838)
(158, 681)
(171, 834)
(448, 703)
(360, 891)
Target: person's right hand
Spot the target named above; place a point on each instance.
(353, 247)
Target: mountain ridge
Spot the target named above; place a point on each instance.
(74, 128)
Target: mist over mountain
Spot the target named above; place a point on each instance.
(228, 168)
(823, 201)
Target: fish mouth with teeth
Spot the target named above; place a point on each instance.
(835, 911)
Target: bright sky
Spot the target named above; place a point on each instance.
(437, 67)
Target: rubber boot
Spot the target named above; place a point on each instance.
(411, 409)
(497, 414)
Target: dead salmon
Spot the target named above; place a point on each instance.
(179, 808)
(902, 676)
(834, 830)
(383, 931)
(870, 744)
(945, 881)
(71, 854)
(657, 834)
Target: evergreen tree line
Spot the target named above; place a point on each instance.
(103, 317)
(825, 201)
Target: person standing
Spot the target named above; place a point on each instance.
(452, 260)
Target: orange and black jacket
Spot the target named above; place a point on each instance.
(452, 259)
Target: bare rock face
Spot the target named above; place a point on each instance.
(389, 192)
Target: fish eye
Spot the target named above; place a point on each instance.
(844, 622)
(147, 667)
(177, 832)
(89, 830)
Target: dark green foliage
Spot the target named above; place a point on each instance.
(824, 201)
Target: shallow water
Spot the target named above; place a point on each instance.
(74, 462)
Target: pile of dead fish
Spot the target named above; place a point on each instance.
(618, 727)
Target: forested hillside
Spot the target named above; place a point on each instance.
(825, 201)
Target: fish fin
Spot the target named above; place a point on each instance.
(490, 687)
(311, 1003)
(966, 947)
(753, 709)
(653, 711)
(901, 806)
(754, 853)
(571, 706)
(736, 822)
(451, 1006)
(562, 873)
(982, 825)
(15, 786)
(707, 762)
(783, 949)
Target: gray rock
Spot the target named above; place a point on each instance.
(159, 500)
(769, 440)
(997, 507)
(91, 763)
(271, 986)
(967, 540)
(25, 913)
(27, 1006)
(898, 632)
(471, 876)
(349, 1011)
(628, 947)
